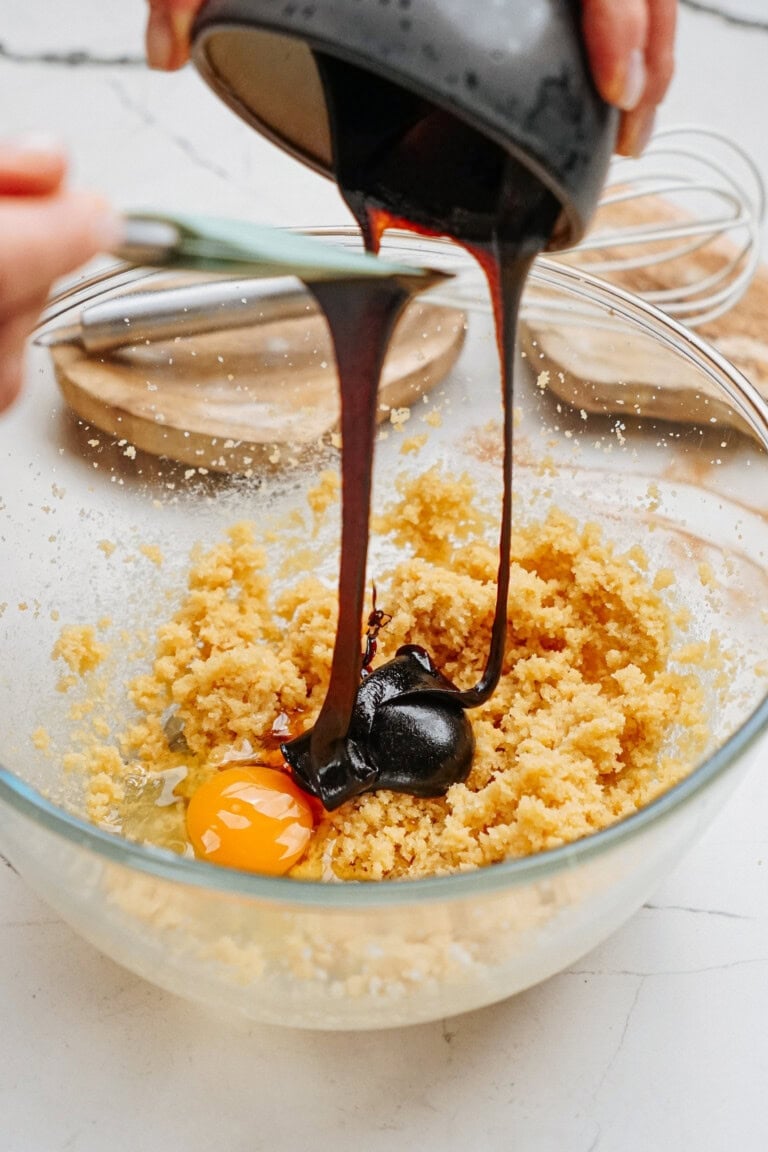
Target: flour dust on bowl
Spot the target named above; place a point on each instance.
(114, 553)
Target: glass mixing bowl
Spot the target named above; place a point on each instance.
(335, 955)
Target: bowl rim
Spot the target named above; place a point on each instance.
(506, 874)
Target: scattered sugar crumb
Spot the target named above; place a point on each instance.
(707, 575)
(654, 496)
(412, 444)
(78, 647)
(638, 556)
(41, 739)
(682, 619)
(664, 578)
(152, 553)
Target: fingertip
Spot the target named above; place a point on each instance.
(660, 55)
(168, 32)
(632, 86)
(181, 26)
(14, 334)
(661, 69)
(45, 237)
(159, 41)
(615, 33)
(32, 165)
(635, 131)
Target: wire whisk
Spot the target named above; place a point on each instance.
(681, 225)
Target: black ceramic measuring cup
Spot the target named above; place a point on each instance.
(514, 73)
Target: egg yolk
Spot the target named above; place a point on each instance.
(256, 819)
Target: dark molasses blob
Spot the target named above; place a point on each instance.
(406, 734)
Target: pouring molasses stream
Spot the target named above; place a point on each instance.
(486, 130)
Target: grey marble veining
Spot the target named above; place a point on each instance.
(74, 58)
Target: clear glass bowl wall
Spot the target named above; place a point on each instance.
(366, 956)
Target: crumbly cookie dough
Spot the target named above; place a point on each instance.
(590, 722)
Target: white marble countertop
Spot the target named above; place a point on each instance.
(655, 1041)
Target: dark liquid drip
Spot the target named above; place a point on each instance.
(505, 259)
(361, 318)
(402, 162)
